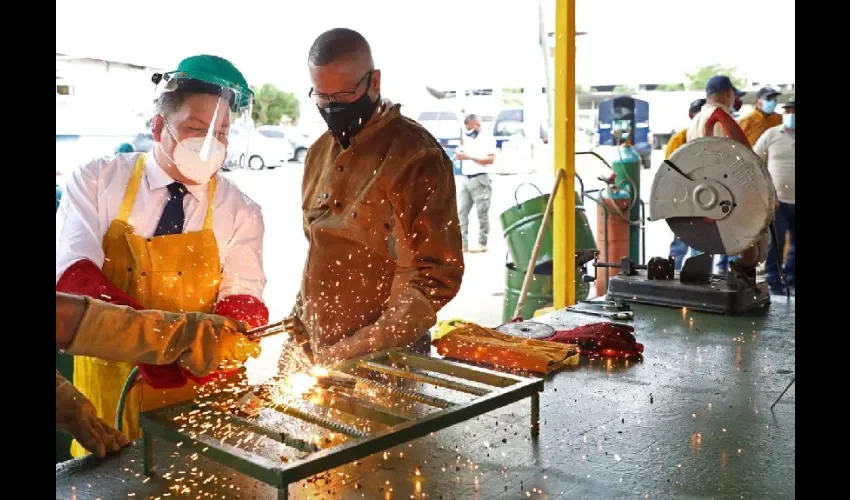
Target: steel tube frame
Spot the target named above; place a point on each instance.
(507, 389)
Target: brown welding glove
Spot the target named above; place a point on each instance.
(471, 342)
(199, 342)
(77, 416)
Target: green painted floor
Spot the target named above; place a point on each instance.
(692, 420)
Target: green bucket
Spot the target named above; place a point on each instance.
(521, 223)
(540, 290)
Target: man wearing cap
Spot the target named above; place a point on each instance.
(777, 148)
(165, 231)
(764, 115)
(678, 248)
(720, 96)
(380, 214)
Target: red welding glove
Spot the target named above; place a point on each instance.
(245, 308)
(602, 339)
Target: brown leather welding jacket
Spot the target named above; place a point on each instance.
(385, 247)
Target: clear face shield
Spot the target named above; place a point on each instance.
(199, 115)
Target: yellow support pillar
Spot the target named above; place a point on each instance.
(564, 211)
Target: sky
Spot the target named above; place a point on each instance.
(440, 42)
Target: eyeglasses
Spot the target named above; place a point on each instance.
(341, 97)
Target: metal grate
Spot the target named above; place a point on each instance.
(402, 396)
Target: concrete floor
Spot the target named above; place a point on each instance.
(692, 420)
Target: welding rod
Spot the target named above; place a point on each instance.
(280, 437)
(418, 377)
(319, 420)
(397, 391)
(266, 330)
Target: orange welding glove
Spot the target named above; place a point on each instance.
(77, 416)
(475, 343)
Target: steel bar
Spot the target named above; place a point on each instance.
(418, 377)
(453, 369)
(362, 409)
(280, 437)
(398, 391)
(318, 420)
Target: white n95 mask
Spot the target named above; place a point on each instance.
(198, 158)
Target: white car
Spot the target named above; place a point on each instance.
(266, 146)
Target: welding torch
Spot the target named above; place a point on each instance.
(289, 325)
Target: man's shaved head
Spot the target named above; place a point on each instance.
(340, 43)
(340, 61)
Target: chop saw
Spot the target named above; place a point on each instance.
(718, 198)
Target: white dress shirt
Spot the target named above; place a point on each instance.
(777, 148)
(477, 147)
(697, 127)
(93, 195)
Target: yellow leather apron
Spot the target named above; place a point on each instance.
(176, 273)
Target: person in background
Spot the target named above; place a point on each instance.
(125, 147)
(777, 149)
(477, 153)
(763, 117)
(85, 326)
(721, 96)
(164, 231)
(380, 214)
(678, 248)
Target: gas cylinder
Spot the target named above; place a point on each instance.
(612, 233)
(626, 166)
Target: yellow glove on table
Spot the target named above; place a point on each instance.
(198, 342)
(77, 416)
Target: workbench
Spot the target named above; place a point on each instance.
(692, 419)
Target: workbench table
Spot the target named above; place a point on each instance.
(691, 420)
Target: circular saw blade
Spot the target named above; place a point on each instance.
(527, 330)
(737, 168)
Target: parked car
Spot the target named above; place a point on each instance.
(445, 126)
(300, 144)
(267, 146)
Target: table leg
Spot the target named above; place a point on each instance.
(283, 493)
(147, 445)
(535, 414)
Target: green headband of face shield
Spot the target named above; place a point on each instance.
(208, 75)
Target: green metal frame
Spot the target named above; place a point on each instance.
(503, 390)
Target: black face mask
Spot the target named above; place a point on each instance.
(472, 133)
(347, 120)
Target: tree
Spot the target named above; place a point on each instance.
(624, 89)
(272, 104)
(697, 80)
(671, 87)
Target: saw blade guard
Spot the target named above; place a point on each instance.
(715, 194)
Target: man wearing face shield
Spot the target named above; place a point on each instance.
(164, 231)
(380, 214)
(763, 117)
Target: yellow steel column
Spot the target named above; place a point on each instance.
(564, 211)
